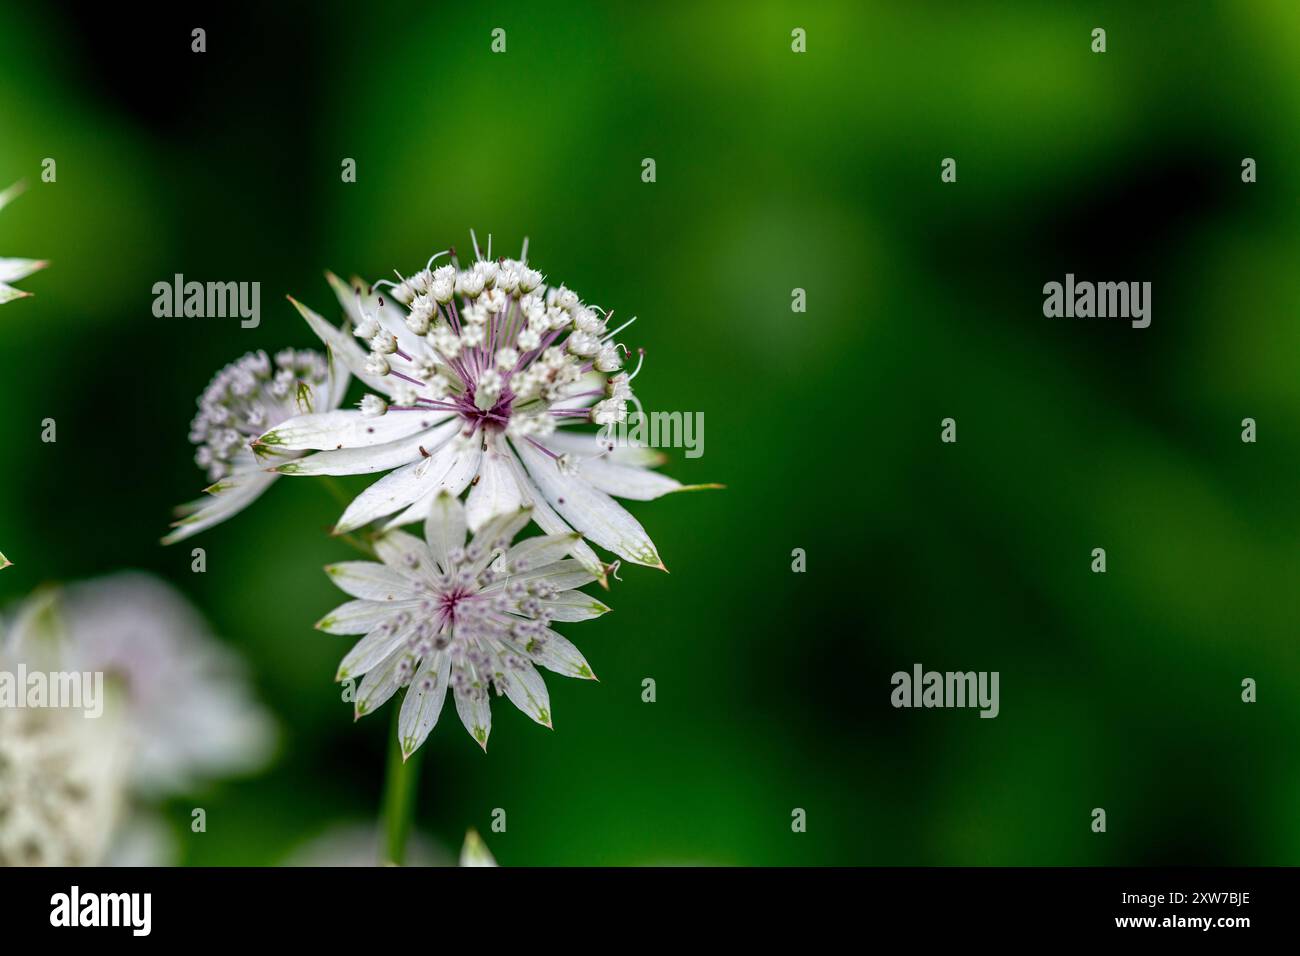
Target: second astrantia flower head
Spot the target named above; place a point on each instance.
(474, 617)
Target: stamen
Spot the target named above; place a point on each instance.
(619, 329)
(542, 448)
(639, 361)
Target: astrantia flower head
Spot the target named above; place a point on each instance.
(11, 270)
(481, 374)
(474, 617)
(175, 711)
(244, 399)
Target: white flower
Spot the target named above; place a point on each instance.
(177, 711)
(517, 368)
(4, 562)
(11, 270)
(439, 612)
(357, 845)
(243, 400)
(62, 785)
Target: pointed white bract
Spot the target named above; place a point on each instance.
(479, 378)
(475, 851)
(242, 401)
(441, 613)
(11, 270)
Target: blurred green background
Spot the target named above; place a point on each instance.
(774, 171)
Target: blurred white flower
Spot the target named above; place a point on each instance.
(439, 613)
(5, 562)
(11, 270)
(359, 845)
(483, 373)
(475, 851)
(190, 704)
(177, 712)
(242, 401)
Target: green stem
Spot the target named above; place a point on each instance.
(335, 489)
(399, 796)
(339, 495)
(360, 545)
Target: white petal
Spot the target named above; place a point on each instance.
(371, 650)
(495, 493)
(588, 445)
(526, 689)
(421, 708)
(379, 684)
(550, 522)
(368, 460)
(390, 316)
(540, 551)
(450, 470)
(229, 496)
(405, 553)
(8, 293)
(598, 516)
(390, 493)
(558, 654)
(475, 851)
(574, 606)
(473, 708)
(361, 617)
(498, 532)
(627, 481)
(562, 575)
(337, 380)
(444, 528)
(369, 580)
(11, 193)
(347, 428)
(11, 270)
(343, 344)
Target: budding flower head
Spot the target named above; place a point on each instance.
(245, 399)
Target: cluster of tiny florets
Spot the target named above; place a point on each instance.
(246, 398)
(479, 628)
(495, 345)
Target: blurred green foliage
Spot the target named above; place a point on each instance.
(774, 171)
